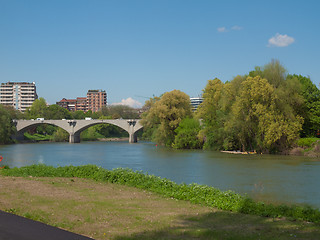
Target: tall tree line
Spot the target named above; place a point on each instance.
(266, 110)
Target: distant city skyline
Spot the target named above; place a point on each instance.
(136, 49)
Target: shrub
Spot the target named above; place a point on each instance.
(306, 142)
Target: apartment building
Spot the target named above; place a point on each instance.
(80, 103)
(19, 95)
(96, 99)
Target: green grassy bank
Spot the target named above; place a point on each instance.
(199, 194)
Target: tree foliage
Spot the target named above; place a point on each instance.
(311, 105)
(7, 127)
(261, 111)
(165, 115)
(188, 134)
(37, 109)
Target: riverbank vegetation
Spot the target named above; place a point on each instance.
(103, 210)
(194, 193)
(265, 111)
(123, 204)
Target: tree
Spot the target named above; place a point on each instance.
(311, 105)
(258, 120)
(60, 135)
(187, 134)
(78, 114)
(122, 111)
(165, 115)
(274, 72)
(7, 127)
(261, 111)
(37, 109)
(57, 112)
(218, 98)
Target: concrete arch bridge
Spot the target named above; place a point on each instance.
(75, 127)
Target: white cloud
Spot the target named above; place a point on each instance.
(234, 28)
(280, 40)
(129, 102)
(222, 29)
(237, 28)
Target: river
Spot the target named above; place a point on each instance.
(269, 178)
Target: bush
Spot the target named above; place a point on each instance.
(307, 142)
(60, 135)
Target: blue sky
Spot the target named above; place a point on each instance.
(142, 48)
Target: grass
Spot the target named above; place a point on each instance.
(194, 193)
(103, 210)
(37, 137)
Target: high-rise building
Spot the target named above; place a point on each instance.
(19, 95)
(96, 99)
(195, 102)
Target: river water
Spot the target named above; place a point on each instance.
(270, 178)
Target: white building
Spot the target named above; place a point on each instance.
(19, 95)
(195, 102)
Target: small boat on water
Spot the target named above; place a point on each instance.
(239, 152)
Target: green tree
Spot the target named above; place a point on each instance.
(37, 109)
(311, 106)
(188, 134)
(261, 111)
(60, 135)
(258, 121)
(7, 127)
(56, 112)
(78, 114)
(274, 72)
(213, 112)
(165, 115)
(122, 111)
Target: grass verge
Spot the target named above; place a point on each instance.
(103, 210)
(199, 194)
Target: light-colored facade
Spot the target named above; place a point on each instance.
(195, 102)
(96, 99)
(19, 95)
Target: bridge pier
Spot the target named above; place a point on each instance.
(74, 138)
(132, 138)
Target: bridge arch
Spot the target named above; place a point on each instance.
(75, 127)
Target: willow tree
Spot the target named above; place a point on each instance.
(259, 122)
(261, 111)
(165, 115)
